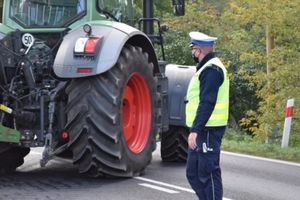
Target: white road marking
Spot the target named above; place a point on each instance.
(159, 188)
(165, 184)
(261, 158)
(169, 185)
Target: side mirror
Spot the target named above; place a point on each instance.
(178, 7)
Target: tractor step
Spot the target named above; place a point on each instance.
(9, 135)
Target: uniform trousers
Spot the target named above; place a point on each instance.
(203, 164)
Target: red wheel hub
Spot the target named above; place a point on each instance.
(136, 113)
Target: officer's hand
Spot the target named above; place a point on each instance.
(192, 140)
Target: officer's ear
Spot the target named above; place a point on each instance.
(199, 51)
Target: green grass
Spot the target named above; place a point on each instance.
(238, 143)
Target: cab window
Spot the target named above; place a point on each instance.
(46, 13)
(120, 10)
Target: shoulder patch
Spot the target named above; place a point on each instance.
(213, 66)
(219, 70)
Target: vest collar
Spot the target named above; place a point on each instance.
(205, 60)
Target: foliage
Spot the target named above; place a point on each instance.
(252, 19)
(261, 82)
(204, 17)
(242, 143)
(161, 8)
(177, 39)
(249, 123)
(237, 136)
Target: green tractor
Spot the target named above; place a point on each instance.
(79, 80)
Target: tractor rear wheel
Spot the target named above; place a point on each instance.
(111, 117)
(174, 144)
(11, 157)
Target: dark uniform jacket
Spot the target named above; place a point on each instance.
(210, 81)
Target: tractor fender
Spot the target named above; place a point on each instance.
(179, 77)
(112, 39)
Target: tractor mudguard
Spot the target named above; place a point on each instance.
(112, 39)
(179, 77)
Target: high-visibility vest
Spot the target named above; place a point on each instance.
(219, 116)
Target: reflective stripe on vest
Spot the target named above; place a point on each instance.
(219, 116)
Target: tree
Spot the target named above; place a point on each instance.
(270, 35)
(259, 42)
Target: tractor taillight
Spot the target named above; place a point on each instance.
(86, 46)
(84, 70)
(91, 44)
(65, 135)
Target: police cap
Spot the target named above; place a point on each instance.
(201, 39)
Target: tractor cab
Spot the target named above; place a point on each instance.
(57, 13)
(43, 14)
(51, 14)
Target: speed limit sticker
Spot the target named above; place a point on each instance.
(27, 39)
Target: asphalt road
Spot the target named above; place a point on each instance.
(245, 178)
(255, 178)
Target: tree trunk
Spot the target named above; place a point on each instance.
(269, 48)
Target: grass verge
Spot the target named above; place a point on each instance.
(244, 144)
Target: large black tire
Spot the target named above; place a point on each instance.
(174, 144)
(11, 157)
(112, 117)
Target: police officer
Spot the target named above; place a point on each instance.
(206, 115)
